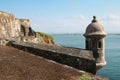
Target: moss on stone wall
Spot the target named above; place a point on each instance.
(46, 38)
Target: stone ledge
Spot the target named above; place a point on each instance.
(77, 58)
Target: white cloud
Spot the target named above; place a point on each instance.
(79, 17)
(111, 23)
(82, 17)
(112, 17)
(77, 24)
(72, 24)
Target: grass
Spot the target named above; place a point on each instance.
(85, 76)
(44, 34)
(46, 37)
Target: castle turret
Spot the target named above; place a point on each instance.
(95, 42)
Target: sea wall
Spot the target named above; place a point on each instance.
(77, 58)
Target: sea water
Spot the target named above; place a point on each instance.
(112, 52)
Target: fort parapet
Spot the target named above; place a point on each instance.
(18, 33)
(74, 57)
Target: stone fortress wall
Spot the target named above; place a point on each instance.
(18, 33)
(6, 25)
(19, 30)
(12, 28)
(77, 58)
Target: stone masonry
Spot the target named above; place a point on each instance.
(77, 58)
(12, 28)
(18, 33)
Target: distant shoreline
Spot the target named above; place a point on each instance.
(79, 34)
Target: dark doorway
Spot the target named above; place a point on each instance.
(23, 30)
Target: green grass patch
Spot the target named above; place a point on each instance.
(47, 37)
(85, 76)
(44, 34)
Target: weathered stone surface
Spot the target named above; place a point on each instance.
(6, 25)
(77, 58)
(95, 35)
(16, 29)
(19, 65)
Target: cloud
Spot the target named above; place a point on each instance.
(69, 24)
(82, 17)
(111, 23)
(79, 17)
(77, 24)
(112, 17)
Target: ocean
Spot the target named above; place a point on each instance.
(112, 52)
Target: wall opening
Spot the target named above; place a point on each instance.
(99, 44)
(95, 54)
(23, 30)
(87, 44)
(31, 33)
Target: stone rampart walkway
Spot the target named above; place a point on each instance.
(19, 65)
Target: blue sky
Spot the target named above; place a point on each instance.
(65, 16)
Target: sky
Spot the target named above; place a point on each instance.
(65, 16)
